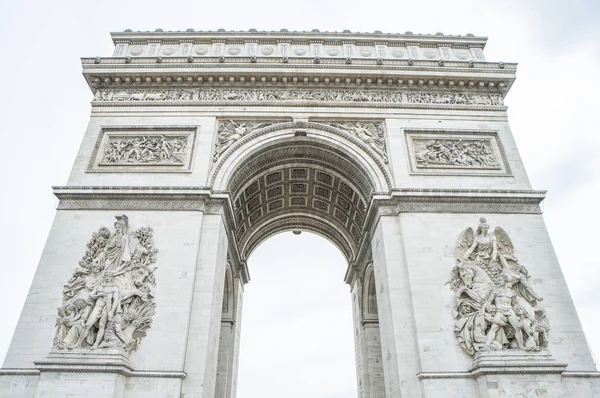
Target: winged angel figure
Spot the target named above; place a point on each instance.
(230, 132)
(495, 307)
(369, 133)
(109, 300)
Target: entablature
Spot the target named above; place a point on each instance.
(102, 73)
(283, 59)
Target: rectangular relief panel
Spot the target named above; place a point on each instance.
(451, 152)
(153, 149)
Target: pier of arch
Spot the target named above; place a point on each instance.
(396, 148)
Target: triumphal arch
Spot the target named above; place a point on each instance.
(395, 147)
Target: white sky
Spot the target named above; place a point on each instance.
(553, 106)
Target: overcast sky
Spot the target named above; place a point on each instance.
(553, 110)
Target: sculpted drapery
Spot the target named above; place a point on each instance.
(495, 308)
(109, 301)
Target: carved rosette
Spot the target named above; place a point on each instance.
(109, 300)
(495, 308)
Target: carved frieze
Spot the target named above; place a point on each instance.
(146, 95)
(145, 149)
(292, 96)
(109, 300)
(231, 131)
(370, 133)
(495, 307)
(148, 149)
(455, 152)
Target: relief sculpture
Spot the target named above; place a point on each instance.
(146, 95)
(495, 308)
(145, 150)
(454, 153)
(230, 132)
(109, 300)
(370, 133)
(300, 95)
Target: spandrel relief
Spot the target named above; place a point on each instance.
(495, 307)
(109, 300)
(369, 133)
(229, 132)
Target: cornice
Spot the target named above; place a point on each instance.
(315, 34)
(239, 72)
(382, 204)
(153, 198)
(394, 202)
(91, 367)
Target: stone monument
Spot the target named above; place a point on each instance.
(395, 147)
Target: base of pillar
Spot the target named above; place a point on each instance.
(515, 361)
(103, 360)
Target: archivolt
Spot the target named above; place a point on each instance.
(320, 180)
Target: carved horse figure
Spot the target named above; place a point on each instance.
(472, 280)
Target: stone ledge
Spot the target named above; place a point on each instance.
(19, 372)
(515, 361)
(98, 361)
(583, 374)
(510, 362)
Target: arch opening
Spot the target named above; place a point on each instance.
(309, 182)
(297, 321)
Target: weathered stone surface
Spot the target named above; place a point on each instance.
(296, 137)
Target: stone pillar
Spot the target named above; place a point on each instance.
(374, 360)
(205, 315)
(229, 340)
(367, 340)
(398, 334)
(360, 347)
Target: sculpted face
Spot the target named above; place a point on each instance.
(120, 228)
(466, 275)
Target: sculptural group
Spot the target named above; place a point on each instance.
(145, 149)
(109, 300)
(495, 308)
(457, 153)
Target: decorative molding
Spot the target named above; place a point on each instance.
(121, 369)
(444, 375)
(301, 97)
(132, 203)
(581, 374)
(19, 372)
(456, 152)
(457, 201)
(132, 198)
(144, 149)
(339, 164)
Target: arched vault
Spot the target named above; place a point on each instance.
(316, 178)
